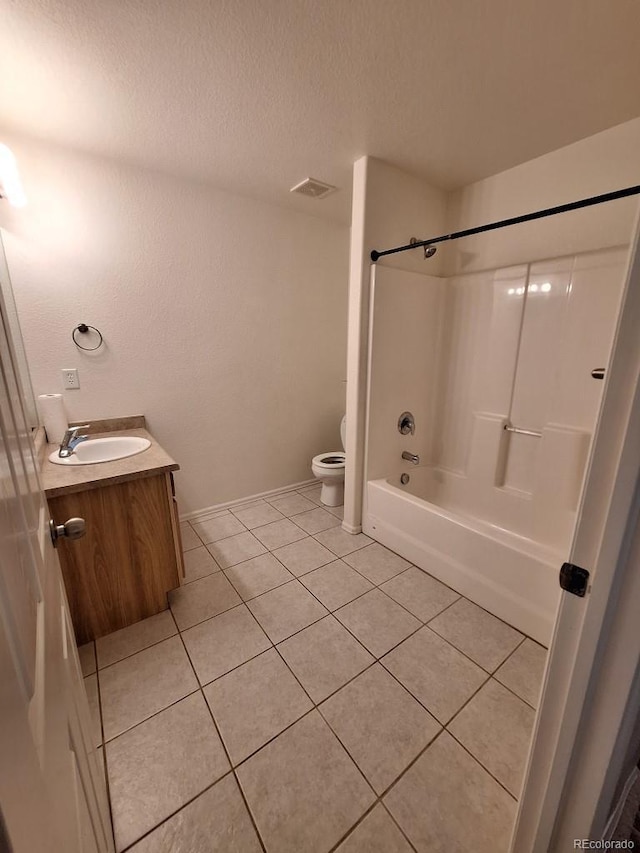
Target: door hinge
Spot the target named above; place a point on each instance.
(574, 579)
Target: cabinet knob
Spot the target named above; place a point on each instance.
(74, 528)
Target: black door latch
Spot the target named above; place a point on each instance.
(574, 579)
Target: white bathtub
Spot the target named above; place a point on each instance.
(513, 577)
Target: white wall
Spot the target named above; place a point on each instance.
(598, 164)
(224, 318)
(389, 207)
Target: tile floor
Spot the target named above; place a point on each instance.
(310, 691)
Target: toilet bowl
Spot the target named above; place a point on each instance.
(329, 469)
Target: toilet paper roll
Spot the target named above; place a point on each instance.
(53, 416)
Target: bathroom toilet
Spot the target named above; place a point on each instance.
(329, 469)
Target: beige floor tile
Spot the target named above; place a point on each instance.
(421, 594)
(316, 520)
(87, 655)
(291, 504)
(377, 833)
(523, 671)
(438, 675)
(198, 563)
(216, 822)
(258, 575)
(335, 584)
(158, 766)
(91, 686)
(189, 537)
(484, 638)
(496, 728)
(285, 610)
(376, 563)
(340, 542)
(224, 642)
(127, 641)
(447, 802)
(202, 599)
(143, 684)
(381, 726)
(377, 621)
(312, 493)
(236, 549)
(218, 527)
(255, 702)
(338, 511)
(257, 516)
(279, 533)
(304, 556)
(324, 657)
(303, 789)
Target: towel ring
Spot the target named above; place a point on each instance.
(83, 328)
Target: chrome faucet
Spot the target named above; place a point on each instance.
(71, 440)
(411, 457)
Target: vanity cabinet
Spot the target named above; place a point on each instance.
(121, 570)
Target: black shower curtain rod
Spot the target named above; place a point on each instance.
(516, 220)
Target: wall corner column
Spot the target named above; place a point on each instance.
(359, 268)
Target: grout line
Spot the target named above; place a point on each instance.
(174, 813)
(413, 565)
(316, 705)
(297, 577)
(224, 747)
(144, 648)
(360, 820)
(104, 768)
(105, 772)
(151, 716)
(513, 693)
(264, 592)
(462, 652)
(403, 833)
(477, 760)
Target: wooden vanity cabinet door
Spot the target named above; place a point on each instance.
(121, 570)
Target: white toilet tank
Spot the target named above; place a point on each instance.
(343, 430)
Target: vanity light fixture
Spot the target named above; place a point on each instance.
(10, 183)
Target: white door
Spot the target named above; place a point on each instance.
(52, 789)
(562, 796)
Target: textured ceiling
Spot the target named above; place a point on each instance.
(254, 95)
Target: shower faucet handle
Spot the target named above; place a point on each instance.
(406, 424)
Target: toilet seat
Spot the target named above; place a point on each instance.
(329, 461)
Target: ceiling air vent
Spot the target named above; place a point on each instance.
(313, 188)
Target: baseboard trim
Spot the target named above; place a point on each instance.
(283, 490)
(352, 528)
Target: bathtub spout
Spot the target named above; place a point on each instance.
(411, 457)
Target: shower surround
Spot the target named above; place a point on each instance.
(489, 511)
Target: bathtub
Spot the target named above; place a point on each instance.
(511, 576)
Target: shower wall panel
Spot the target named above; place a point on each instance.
(481, 326)
(474, 353)
(405, 326)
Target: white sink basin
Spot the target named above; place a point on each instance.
(103, 450)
